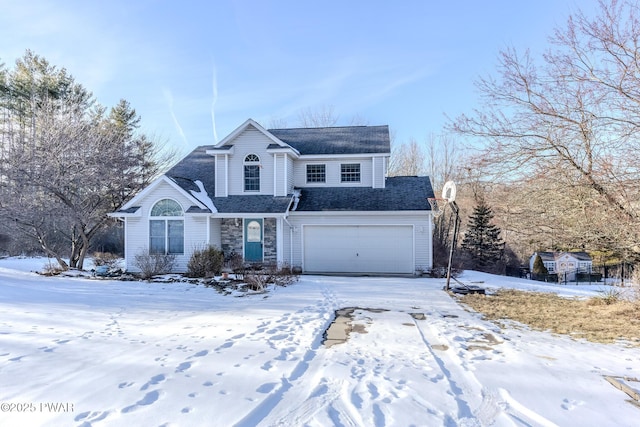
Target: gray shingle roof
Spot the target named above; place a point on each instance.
(336, 140)
(252, 204)
(552, 256)
(198, 165)
(401, 193)
(131, 210)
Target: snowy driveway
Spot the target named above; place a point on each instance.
(97, 353)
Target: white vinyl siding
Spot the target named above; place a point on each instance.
(221, 161)
(290, 175)
(333, 172)
(137, 228)
(215, 229)
(251, 141)
(280, 175)
(378, 167)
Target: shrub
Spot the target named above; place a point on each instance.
(207, 262)
(154, 264)
(51, 270)
(609, 296)
(538, 266)
(235, 264)
(256, 281)
(279, 276)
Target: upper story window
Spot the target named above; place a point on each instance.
(166, 228)
(316, 173)
(350, 172)
(252, 173)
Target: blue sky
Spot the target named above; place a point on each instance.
(194, 70)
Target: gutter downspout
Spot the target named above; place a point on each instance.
(296, 199)
(290, 238)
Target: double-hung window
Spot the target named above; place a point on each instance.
(252, 173)
(350, 172)
(166, 228)
(316, 174)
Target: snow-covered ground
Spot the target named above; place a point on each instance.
(83, 352)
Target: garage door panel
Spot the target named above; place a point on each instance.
(358, 249)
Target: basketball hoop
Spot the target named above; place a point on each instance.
(437, 205)
(449, 191)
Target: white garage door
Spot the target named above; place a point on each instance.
(358, 249)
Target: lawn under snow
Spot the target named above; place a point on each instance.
(83, 352)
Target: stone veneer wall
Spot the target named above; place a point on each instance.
(270, 250)
(232, 235)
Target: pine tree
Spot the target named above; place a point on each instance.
(538, 266)
(482, 243)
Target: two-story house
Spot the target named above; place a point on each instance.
(314, 198)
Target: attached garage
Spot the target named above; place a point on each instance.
(358, 249)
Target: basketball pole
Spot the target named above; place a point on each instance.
(456, 226)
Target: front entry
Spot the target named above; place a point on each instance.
(253, 237)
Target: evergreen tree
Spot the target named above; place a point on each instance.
(64, 161)
(538, 266)
(482, 243)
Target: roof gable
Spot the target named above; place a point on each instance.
(250, 123)
(148, 189)
(553, 256)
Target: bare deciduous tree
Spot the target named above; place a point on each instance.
(407, 160)
(570, 119)
(65, 162)
(323, 116)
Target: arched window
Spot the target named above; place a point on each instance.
(166, 228)
(252, 173)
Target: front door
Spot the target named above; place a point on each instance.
(253, 236)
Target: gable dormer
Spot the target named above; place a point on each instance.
(251, 161)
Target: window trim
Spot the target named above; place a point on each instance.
(344, 174)
(252, 161)
(316, 181)
(167, 221)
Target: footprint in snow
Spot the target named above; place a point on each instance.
(279, 337)
(570, 404)
(225, 345)
(147, 400)
(90, 416)
(157, 379)
(201, 353)
(183, 367)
